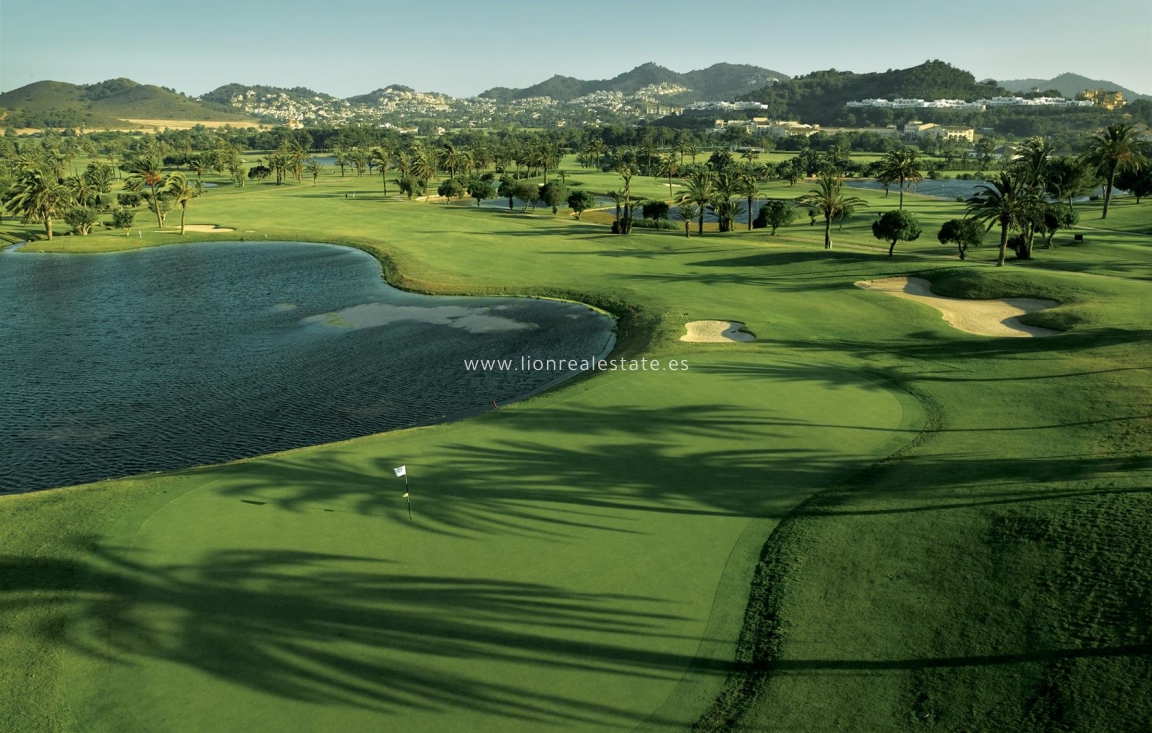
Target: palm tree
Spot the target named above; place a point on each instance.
(1116, 149)
(181, 190)
(669, 166)
(146, 170)
(198, 164)
(1032, 160)
(900, 165)
(35, 197)
(699, 190)
(314, 168)
(449, 158)
(1005, 202)
(383, 158)
(748, 186)
(687, 212)
(829, 200)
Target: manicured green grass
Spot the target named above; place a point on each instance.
(584, 559)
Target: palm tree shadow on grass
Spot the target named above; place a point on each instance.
(332, 629)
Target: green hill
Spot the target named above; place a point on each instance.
(717, 82)
(223, 96)
(1069, 85)
(59, 104)
(820, 96)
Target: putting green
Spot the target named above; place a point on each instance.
(560, 569)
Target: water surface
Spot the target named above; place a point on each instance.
(176, 356)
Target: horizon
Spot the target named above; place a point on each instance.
(477, 94)
(285, 52)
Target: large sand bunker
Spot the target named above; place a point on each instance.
(715, 332)
(982, 317)
(209, 228)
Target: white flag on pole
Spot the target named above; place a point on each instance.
(400, 471)
(405, 494)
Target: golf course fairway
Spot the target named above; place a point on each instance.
(926, 523)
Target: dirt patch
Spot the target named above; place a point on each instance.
(715, 332)
(998, 317)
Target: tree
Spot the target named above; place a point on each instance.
(726, 211)
(128, 200)
(699, 191)
(146, 170)
(199, 164)
(748, 186)
(450, 188)
(1136, 182)
(787, 171)
(383, 159)
(1069, 177)
(124, 219)
(528, 192)
(480, 188)
(896, 226)
(963, 233)
(901, 166)
(688, 211)
(1033, 160)
(507, 190)
(1005, 202)
(669, 166)
(828, 199)
(181, 191)
(259, 172)
(314, 168)
(654, 210)
(81, 219)
(1057, 217)
(1113, 151)
(411, 186)
(581, 201)
(553, 194)
(776, 213)
(35, 197)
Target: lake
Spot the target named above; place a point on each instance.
(124, 363)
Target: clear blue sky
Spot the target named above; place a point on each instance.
(345, 47)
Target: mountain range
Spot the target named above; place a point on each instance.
(817, 97)
(1069, 85)
(717, 82)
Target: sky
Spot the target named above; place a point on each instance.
(348, 47)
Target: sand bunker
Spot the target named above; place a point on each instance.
(982, 317)
(715, 332)
(206, 228)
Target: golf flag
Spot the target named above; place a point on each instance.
(402, 471)
(405, 494)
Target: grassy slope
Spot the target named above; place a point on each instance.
(962, 580)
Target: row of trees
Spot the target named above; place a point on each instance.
(37, 196)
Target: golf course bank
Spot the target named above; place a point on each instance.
(861, 519)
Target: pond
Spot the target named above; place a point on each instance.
(124, 363)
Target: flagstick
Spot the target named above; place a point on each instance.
(407, 497)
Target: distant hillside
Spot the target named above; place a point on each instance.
(820, 96)
(1070, 85)
(59, 104)
(225, 94)
(717, 82)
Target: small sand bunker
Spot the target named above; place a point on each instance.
(209, 228)
(982, 317)
(715, 332)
